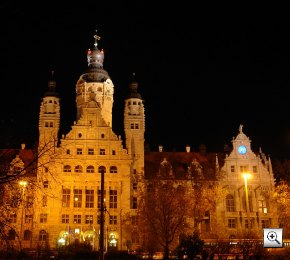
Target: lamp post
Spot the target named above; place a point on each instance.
(101, 251)
(247, 176)
(23, 185)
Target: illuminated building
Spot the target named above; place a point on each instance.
(66, 192)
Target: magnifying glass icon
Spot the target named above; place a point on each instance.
(272, 236)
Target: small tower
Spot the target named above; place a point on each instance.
(49, 116)
(134, 126)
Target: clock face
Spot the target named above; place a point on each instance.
(242, 149)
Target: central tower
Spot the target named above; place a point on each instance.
(95, 85)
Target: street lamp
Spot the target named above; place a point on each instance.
(102, 219)
(247, 176)
(23, 185)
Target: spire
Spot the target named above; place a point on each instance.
(217, 166)
(133, 93)
(51, 86)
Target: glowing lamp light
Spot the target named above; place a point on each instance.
(23, 183)
(247, 176)
(61, 241)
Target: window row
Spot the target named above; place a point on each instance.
(27, 235)
(231, 204)
(91, 151)
(245, 168)
(232, 223)
(79, 198)
(88, 169)
(86, 219)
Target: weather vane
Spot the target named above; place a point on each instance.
(96, 39)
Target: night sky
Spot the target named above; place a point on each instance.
(200, 76)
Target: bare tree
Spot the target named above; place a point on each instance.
(163, 214)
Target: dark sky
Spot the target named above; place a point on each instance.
(201, 75)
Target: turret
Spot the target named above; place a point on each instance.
(49, 116)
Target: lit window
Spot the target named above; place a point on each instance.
(66, 198)
(77, 219)
(78, 198)
(262, 206)
(89, 219)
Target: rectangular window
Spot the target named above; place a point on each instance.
(251, 223)
(113, 152)
(99, 198)
(262, 206)
(65, 218)
(102, 152)
(44, 201)
(77, 219)
(265, 223)
(232, 223)
(43, 218)
(13, 218)
(134, 185)
(89, 219)
(232, 168)
(89, 198)
(255, 169)
(243, 168)
(134, 203)
(66, 198)
(29, 202)
(91, 151)
(99, 219)
(28, 218)
(68, 151)
(45, 184)
(113, 199)
(136, 126)
(78, 198)
(113, 220)
(79, 151)
(132, 126)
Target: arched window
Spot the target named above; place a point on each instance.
(102, 169)
(90, 169)
(42, 235)
(67, 168)
(78, 168)
(11, 234)
(230, 203)
(113, 169)
(27, 234)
